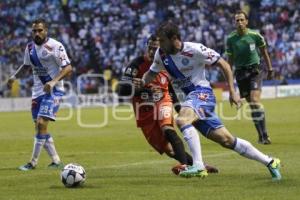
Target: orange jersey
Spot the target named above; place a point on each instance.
(147, 103)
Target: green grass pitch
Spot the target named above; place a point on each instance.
(121, 165)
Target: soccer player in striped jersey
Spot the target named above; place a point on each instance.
(50, 64)
(185, 62)
(153, 108)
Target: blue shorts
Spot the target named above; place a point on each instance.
(46, 105)
(203, 103)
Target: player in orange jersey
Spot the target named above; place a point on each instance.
(153, 108)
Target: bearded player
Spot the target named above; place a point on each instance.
(50, 64)
(153, 108)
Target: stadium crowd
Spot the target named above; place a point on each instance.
(106, 34)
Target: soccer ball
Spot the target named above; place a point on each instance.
(73, 175)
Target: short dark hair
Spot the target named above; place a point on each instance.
(168, 29)
(241, 12)
(152, 37)
(41, 21)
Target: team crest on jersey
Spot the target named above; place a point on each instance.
(185, 61)
(44, 53)
(252, 47)
(163, 80)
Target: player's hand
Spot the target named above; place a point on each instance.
(234, 99)
(156, 90)
(10, 82)
(138, 83)
(157, 93)
(270, 74)
(48, 86)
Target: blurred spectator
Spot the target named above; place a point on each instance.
(106, 34)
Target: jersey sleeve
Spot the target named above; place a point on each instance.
(228, 47)
(61, 56)
(260, 41)
(157, 64)
(26, 57)
(207, 55)
(130, 71)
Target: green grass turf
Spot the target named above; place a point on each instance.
(121, 165)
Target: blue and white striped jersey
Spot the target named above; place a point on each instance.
(187, 67)
(46, 61)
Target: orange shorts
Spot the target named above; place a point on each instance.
(162, 115)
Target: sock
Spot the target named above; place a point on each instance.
(262, 123)
(246, 149)
(191, 136)
(189, 158)
(177, 145)
(258, 116)
(50, 148)
(39, 141)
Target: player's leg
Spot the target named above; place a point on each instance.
(177, 152)
(176, 144)
(48, 110)
(184, 120)
(258, 116)
(39, 141)
(165, 121)
(257, 111)
(246, 149)
(156, 138)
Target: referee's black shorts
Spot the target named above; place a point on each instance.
(249, 78)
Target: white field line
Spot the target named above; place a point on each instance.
(126, 165)
(156, 161)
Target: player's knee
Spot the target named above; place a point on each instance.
(255, 105)
(181, 121)
(167, 127)
(41, 125)
(254, 99)
(169, 150)
(227, 142)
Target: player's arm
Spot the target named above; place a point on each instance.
(20, 70)
(174, 97)
(150, 75)
(210, 57)
(234, 99)
(63, 62)
(230, 61)
(16, 75)
(63, 73)
(262, 45)
(266, 56)
(229, 53)
(126, 87)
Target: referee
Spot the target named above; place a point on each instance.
(243, 48)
